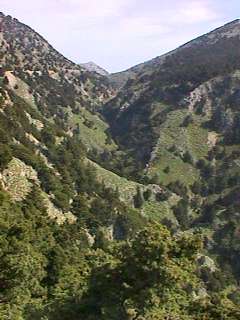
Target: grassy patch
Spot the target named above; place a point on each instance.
(192, 139)
(179, 170)
(127, 188)
(92, 130)
(160, 210)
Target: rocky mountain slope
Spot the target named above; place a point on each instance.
(178, 116)
(58, 88)
(178, 80)
(48, 105)
(75, 190)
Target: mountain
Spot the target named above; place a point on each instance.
(58, 88)
(118, 203)
(174, 81)
(18, 42)
(93, 67)
(178, 117)
(50, 126)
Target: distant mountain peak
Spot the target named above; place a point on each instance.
(93, 67)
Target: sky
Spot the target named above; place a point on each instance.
(118, 34)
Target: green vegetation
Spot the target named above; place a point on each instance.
(134, 219)
(92, 130)
(125, 187)
(152, 277)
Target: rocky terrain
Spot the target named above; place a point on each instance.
(93, 67)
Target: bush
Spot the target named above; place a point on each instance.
(188, 120)
(5, 156)
(187, 157)
(147, 194)
(138, 199)
(166, 170)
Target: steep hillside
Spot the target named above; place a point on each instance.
(172, 82)
(62, 97)
(178, 117)
(23, 51)
(58, 88)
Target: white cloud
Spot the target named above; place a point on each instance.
(141, 26)
(159, 21)
(92, 8)
(196, 12)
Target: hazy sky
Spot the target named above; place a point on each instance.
(118, 34)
